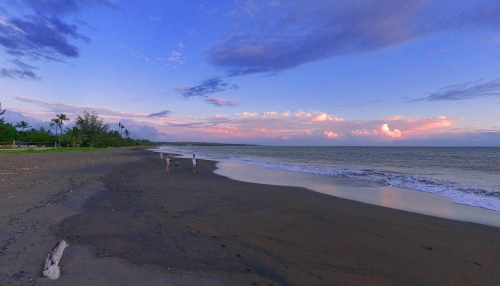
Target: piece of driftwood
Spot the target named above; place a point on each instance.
(51, 269)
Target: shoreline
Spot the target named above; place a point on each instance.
(361, 191)
(241, 233)
(365, 192)
(142, 225)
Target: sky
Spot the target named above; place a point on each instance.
(271, 72)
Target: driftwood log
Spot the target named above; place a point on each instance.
(51, 269)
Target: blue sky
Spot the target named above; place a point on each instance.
(361, 72)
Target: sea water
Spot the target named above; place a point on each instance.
(466, 175)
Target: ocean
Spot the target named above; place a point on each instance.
(467, 175)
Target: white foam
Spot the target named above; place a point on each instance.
(386, 196)
(482, 198)
(488, 199)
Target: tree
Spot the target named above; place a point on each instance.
(120, 126)
(1, 112)
(62, 118)
(73, 135)
(23, 125)
(127, 133)
(55, 122)
(7, 133)
(40, 136)
(91, 127)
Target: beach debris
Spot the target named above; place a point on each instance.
(51, 269)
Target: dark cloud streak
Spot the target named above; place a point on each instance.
(209, 86)
(162, 113)
(297, 33)
(63, 7)
(464, 91)
(22, 71)
(220, 102)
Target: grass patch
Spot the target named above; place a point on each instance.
(50, 150)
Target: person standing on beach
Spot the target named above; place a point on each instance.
(167, 163)
(194, 163)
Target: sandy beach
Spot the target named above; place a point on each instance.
(128, 222)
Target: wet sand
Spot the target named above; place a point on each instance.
(144, 226)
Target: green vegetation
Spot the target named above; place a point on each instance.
(89, 131)
(1, 112)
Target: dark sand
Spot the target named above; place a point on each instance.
(149, 227)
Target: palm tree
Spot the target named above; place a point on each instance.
(120, 126)
(74, 135)
(23, 125)
(62, 118)
(127, 133)
(1, 112)
(55, 122)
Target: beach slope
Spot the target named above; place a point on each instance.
(185, 228)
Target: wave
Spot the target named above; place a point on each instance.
(476, 197)
(484, 198)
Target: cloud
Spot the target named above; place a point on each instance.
(220, 102)
(38, 37)
(279, 37)
(162, 113)
(47, 110)
(253, 127)
(247, 114)
(175, 57)
(325, 117)
(384, 129)
(209, 86)
(303, 127)
(22, 71)
(45, 34)
(270, 114)
(139, 131)
(465, 91)
(65, 7)
(331, 134)
(13, 116)
(408, 128)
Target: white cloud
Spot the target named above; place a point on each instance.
(247, 114)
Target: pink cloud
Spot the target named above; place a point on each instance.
(361, 132)
(427, 125)
(325, 117)
(225, 130)
(51, 108)
(384, 129)
(302, 114)
(330, 134)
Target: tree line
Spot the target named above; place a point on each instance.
(89, 131)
